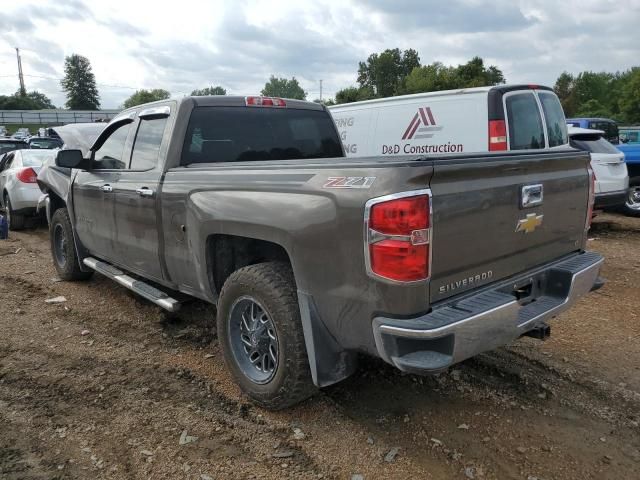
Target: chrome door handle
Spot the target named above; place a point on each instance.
(144, 192)
(106, 188)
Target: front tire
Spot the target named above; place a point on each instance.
(260, 333)
(63, 250)
(632, 205)
(16, 221)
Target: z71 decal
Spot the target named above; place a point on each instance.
(349, 182)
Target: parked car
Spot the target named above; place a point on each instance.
(9, 144)
(44, 143)
(629, 135)
(19, 191)
(313, 258)
(612, 179)
(502, 118)
(607, 125)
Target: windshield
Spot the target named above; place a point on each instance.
(44, 143)
(237, 134)
(593, 144)
(9, 146)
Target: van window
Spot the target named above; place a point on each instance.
(237, 134)
(147, 144)
(525, 124)
(554, 118)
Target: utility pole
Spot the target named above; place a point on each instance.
(23, 91)
(320, 91)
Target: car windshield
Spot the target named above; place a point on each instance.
(36, 159)
(44, 143)
(593, 144)
(10, 146)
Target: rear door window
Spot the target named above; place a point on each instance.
(593, 144)
(525, 124)
(554, 119)
(146, 148)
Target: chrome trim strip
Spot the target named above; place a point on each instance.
(163, 111)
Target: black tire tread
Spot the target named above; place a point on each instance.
(17, 221)
(71, 270)
(276, 278)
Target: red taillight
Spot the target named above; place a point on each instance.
(497, 136)
(27, 175)
(398, 237)
(592, 198)
(265, 102)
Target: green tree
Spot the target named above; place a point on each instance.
(385, 73)
(209, 91)
(354, 94)
(474, 74)
(593, 108)
(146, 96)
(564, 87)
(281, 87)
(593, 86)
(630, 99)
(432, 78)
(79, 83)
(31, 101)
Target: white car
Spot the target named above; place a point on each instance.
(612, 179)
(19, 192)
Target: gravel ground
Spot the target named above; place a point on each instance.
(105, 385)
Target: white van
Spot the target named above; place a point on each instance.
(612, 179)
(506, 117)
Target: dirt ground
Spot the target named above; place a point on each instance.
(106, 385)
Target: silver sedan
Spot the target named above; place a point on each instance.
(19, 191)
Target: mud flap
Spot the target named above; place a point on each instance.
(328, 361)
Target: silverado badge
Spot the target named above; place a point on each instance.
(530, 223)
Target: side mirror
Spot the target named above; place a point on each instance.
(69, 159)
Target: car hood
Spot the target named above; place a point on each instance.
(79, 136)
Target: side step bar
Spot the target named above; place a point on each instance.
(141, 288)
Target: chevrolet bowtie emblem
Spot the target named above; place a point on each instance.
(529, 224)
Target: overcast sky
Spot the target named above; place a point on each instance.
(187, 44)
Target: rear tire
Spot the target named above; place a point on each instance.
(260, 333)
(16, 221)
(63, 250)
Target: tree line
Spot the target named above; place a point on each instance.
(385, 74)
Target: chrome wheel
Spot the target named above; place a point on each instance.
(60, 245)
(633, 199)
(253, 340)
(7, 211)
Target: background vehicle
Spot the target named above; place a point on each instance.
(313, 258)
(9, 144)
(503, 118)
(612, 180)
(608, 126)
(44, 143)
(19, 189)
(629, 135)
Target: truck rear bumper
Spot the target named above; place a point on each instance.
(486, 320)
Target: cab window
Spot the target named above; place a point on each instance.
(146, 147)
(110, 156)
(525, 124)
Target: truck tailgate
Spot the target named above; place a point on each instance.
(481, 231)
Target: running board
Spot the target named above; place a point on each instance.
(141, 288)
